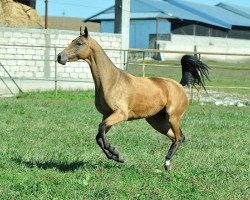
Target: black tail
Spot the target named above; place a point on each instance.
(193, 71)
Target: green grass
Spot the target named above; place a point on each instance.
(48, 151)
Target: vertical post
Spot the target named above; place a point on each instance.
(46, 14)
(55, 70)
(195, 50)
(122, 23)
(143, 64)
(194, 34)
(118, 16)
(157, 30)
(125, 62)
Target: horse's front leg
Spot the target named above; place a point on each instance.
(101, 139)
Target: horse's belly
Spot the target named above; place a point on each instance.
(146, 109)
(143, 105)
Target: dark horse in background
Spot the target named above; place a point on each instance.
(120, 96)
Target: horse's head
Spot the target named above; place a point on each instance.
(78, 49)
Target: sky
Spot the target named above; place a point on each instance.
(87, 8)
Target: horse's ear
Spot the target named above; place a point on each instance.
(81, 33)
(86, 32)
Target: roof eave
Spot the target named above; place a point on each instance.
(89, 18)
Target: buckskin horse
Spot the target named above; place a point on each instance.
(120, 96)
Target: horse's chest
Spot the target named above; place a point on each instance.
(102, 106)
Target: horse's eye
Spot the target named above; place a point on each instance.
(78, 43)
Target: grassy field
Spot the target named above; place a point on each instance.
(231, 76)
(48, 151)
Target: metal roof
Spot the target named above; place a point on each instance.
(184, 12)
(149, 15)
(214, 13)
(221, 15)
(240, 10)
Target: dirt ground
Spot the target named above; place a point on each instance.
(220, 98)
(13, 14)
(71, 23)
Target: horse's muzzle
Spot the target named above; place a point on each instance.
(62, 58)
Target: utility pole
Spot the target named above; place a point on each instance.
(122, 23)
(118, 16)
(46, 14)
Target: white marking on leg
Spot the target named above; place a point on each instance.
(167, 163)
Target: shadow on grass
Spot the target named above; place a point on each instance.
(63, 167)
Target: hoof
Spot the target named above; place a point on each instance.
(118, 159)
(183, 138)
(121, 160)
(167, 167)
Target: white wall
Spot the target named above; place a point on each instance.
(31, 53)
(206, 44)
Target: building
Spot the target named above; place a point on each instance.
(152, 20)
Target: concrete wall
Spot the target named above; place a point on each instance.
(140, 31)
(206, 44)
(31, 53)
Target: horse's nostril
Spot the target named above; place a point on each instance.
(59, 57)
(62, 58)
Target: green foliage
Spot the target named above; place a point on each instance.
(48, 151)
(61, 94)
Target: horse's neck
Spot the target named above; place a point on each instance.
(103, 70)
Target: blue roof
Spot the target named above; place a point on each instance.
(150, 15)
(240, 10)
(177, 11)
(221, 15)
(214, 13)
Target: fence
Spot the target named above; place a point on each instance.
(25, 73)
(143, 58)
(43, 72)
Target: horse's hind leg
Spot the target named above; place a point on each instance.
(161, 123)
(179, 138)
